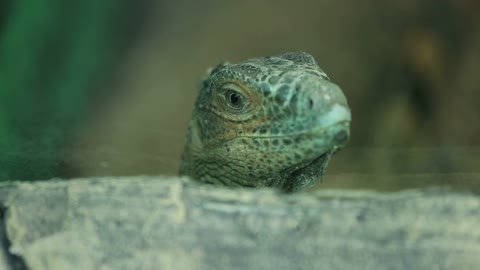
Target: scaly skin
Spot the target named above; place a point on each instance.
(266, 122)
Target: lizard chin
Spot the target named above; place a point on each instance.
(306, 174)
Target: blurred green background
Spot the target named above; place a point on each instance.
(92, 88)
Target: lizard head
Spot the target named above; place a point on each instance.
(270, 121)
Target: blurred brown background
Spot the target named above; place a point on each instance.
(410, 70)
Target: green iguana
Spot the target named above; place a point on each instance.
(265, 122)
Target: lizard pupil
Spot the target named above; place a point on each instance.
(234, 98)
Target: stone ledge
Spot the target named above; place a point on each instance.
(172, 223)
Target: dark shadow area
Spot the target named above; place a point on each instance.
(13, 262)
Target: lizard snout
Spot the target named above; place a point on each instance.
(325, 104)
(322, 96)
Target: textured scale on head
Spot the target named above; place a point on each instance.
(265, 122)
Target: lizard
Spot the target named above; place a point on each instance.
(265, 122)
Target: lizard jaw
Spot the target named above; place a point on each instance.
(307, 174)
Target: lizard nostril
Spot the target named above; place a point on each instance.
(310, 103)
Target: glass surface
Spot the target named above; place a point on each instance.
(100, 88)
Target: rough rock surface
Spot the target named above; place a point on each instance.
(171, 223)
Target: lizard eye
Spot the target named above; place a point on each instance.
(234, 99)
